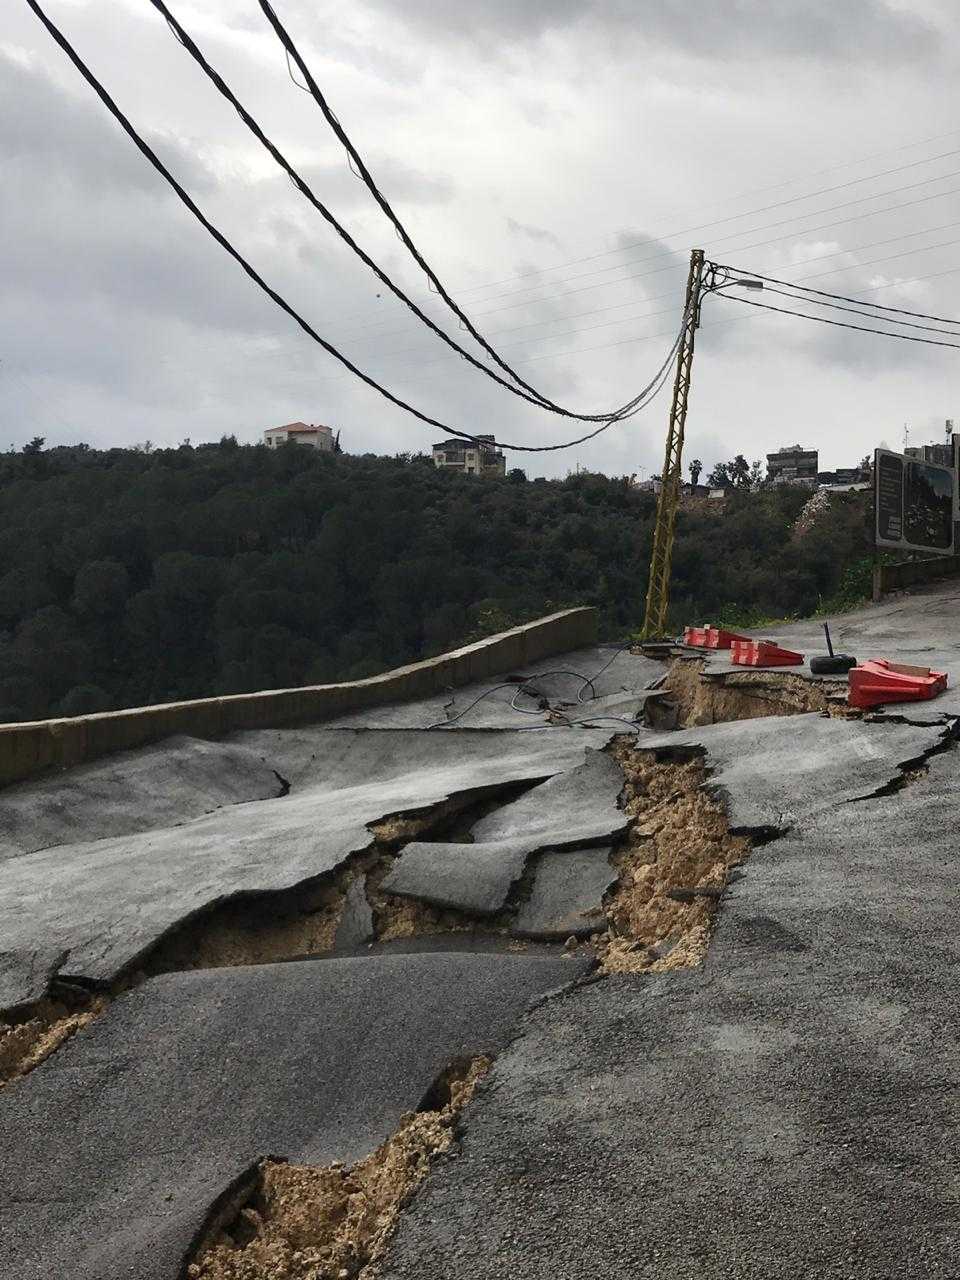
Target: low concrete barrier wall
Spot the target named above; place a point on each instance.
(894, 577)
(27, 749)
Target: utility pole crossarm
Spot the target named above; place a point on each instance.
(658, 586)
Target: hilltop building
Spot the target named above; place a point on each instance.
(315, 437)
(483, 459)
(793, 465)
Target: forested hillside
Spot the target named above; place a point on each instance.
(131, 576)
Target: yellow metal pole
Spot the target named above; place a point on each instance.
(658, 586)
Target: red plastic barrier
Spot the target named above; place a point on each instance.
(873, 683)
(763, 653)
(710, 637)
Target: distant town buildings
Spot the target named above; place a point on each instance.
(793, 465)
(315, 437)
(941, 454)
(483, 459)
(845, 479)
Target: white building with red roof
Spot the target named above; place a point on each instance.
(317, 437)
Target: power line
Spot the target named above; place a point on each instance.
(528, 393)
(675, 265)
(917, 142)
(792, 284)
(839, 324)
(151, 156)
(797, 296)
(734, 235)
(652, 314)
(657, 297)
(291, 50)
(672, 235)
(707, 324)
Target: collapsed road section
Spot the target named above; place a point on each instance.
(298, 991)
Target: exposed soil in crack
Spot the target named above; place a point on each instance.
(39, 1029)
(302, 1222)
(748, 695)
(673, 866)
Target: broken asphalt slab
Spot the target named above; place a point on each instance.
(566, 898)
(98, 906)
(156, 786)
(779, 771)
(576, 807)
(184, 1084)
(863, 888)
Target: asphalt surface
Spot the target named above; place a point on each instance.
(787, 1110)
(116, 1147)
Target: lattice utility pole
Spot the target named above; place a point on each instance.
(658, 587)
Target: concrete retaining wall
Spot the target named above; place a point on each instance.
(894, 577)
(27, 749)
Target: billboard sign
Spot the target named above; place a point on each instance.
(913, 503)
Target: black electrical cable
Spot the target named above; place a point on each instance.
(842, 297)
(190, 45)
(150, 155)
(855, 311)
(597, 674)
(445, 724)
(839, 324)
(366, 177)
(363, 172)
(540, 728)
(522, 687)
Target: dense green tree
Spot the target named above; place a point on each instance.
(130, 576)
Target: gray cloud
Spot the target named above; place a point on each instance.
(121, 320)
(44, 129)
(540, 234)
(873, 29)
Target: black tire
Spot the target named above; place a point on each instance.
(838, 665)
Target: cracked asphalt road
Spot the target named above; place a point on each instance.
(786, 1110)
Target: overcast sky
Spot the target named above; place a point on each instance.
(555, 159)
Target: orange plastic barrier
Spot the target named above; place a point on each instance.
(873, 683)
(763, 653)
(710, 637)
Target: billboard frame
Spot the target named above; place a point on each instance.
(902, 544)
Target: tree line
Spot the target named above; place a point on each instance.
(132, 576)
